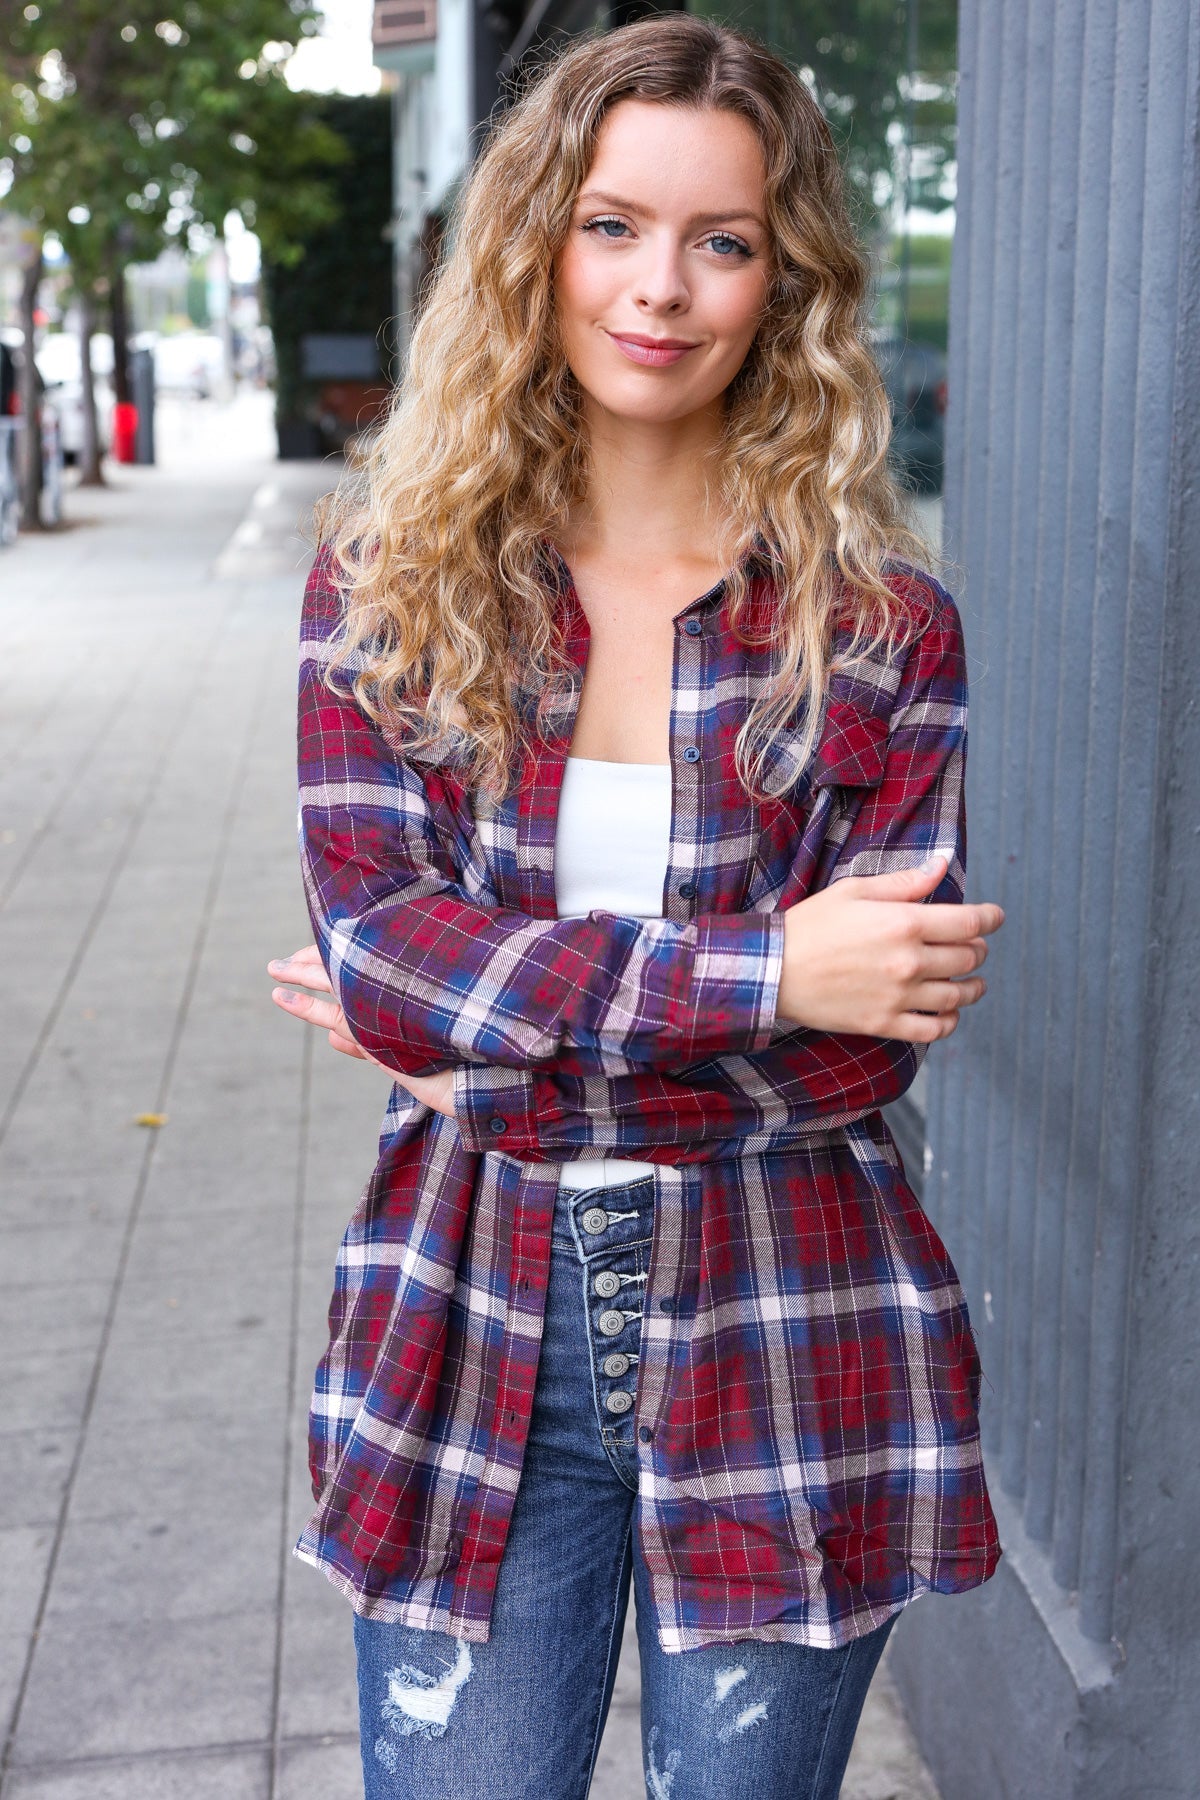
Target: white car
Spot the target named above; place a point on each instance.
(58, 362)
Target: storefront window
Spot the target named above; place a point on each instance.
(884, 73)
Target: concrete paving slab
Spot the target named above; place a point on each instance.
(33, 1255)
(218, 1244)
(229, 1473)
(14, 1652)
(122, 1689)
(24, 1558)
(170, 1562)
(236, 1775)
(56, 1315)
(46, 1390)
(193, 1302)
(36, 1464)
(68, 1202)
(211, 1380)
(317, 1690)
(331, 1771)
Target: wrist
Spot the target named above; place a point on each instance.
(790, 1005)
(494, 1108)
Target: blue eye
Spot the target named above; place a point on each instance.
(725, 244)
(603, 225)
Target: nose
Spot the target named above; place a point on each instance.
(660, 285)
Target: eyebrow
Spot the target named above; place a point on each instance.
(714, 218)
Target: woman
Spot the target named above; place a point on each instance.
(631, 742)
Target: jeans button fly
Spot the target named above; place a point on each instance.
(595, 1220)
(619, 1401)
(607, 1284)
(616, 1364)
(611, 1322)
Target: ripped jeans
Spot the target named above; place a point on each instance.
(520, 1717)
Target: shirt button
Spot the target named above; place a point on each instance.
(619, 1401)
(667, 1305)
(595, 1220)
(645, 1433)
(616, 1365)
(691, 754)
(693, 627)
(687, 890)
(607, 1284)
(611, 1322)
(498, 1125)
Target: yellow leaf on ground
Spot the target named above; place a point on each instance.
(151, 1119)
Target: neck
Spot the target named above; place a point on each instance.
(647, 486)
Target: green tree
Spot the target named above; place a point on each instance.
(893, 131)
(127, 129)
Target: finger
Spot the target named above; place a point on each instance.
(308, 1007)
(897, 884)
(347, 1047)
(923, 1028)
(947, 924)
(945, 996)
(949, 962)
(303, 967)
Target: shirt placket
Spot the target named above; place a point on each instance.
(670, 1293)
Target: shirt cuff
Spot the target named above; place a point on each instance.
(735, 982)
(494, 1109)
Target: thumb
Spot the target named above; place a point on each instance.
(905, 884)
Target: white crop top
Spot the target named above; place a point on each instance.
(611, 850)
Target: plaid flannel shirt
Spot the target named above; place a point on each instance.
(807, 1380)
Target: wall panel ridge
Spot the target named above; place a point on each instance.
(1063, 1122)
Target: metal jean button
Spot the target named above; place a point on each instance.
(616, 1364)
(594, 1220)
(607, 1284)
(611, 1322)
(619, 1401)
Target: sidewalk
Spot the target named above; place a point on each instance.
(163, 1288)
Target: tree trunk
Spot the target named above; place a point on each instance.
(31, 397)
(90, 472)
(119, 315)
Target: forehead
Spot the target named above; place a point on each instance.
(679, 159)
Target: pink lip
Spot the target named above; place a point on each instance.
(654, 353)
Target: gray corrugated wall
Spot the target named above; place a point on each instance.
(1062, 1121)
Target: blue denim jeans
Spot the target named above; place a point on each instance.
(520, 1717)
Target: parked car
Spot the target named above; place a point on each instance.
(58, 361)
(12, 350)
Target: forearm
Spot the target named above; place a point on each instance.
(814, 1081)
(428, 979)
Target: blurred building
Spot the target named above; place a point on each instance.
(1028, 179)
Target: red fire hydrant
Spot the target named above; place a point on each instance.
(124, 430)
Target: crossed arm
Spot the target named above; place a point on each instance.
(625, 1035)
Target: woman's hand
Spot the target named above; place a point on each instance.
(861, 956)
(305, 970)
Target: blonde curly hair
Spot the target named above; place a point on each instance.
(439, 540)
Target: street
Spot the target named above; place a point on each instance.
(178, 1160)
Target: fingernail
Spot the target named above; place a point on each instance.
(933, 859)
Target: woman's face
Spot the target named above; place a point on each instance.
(662, 280)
